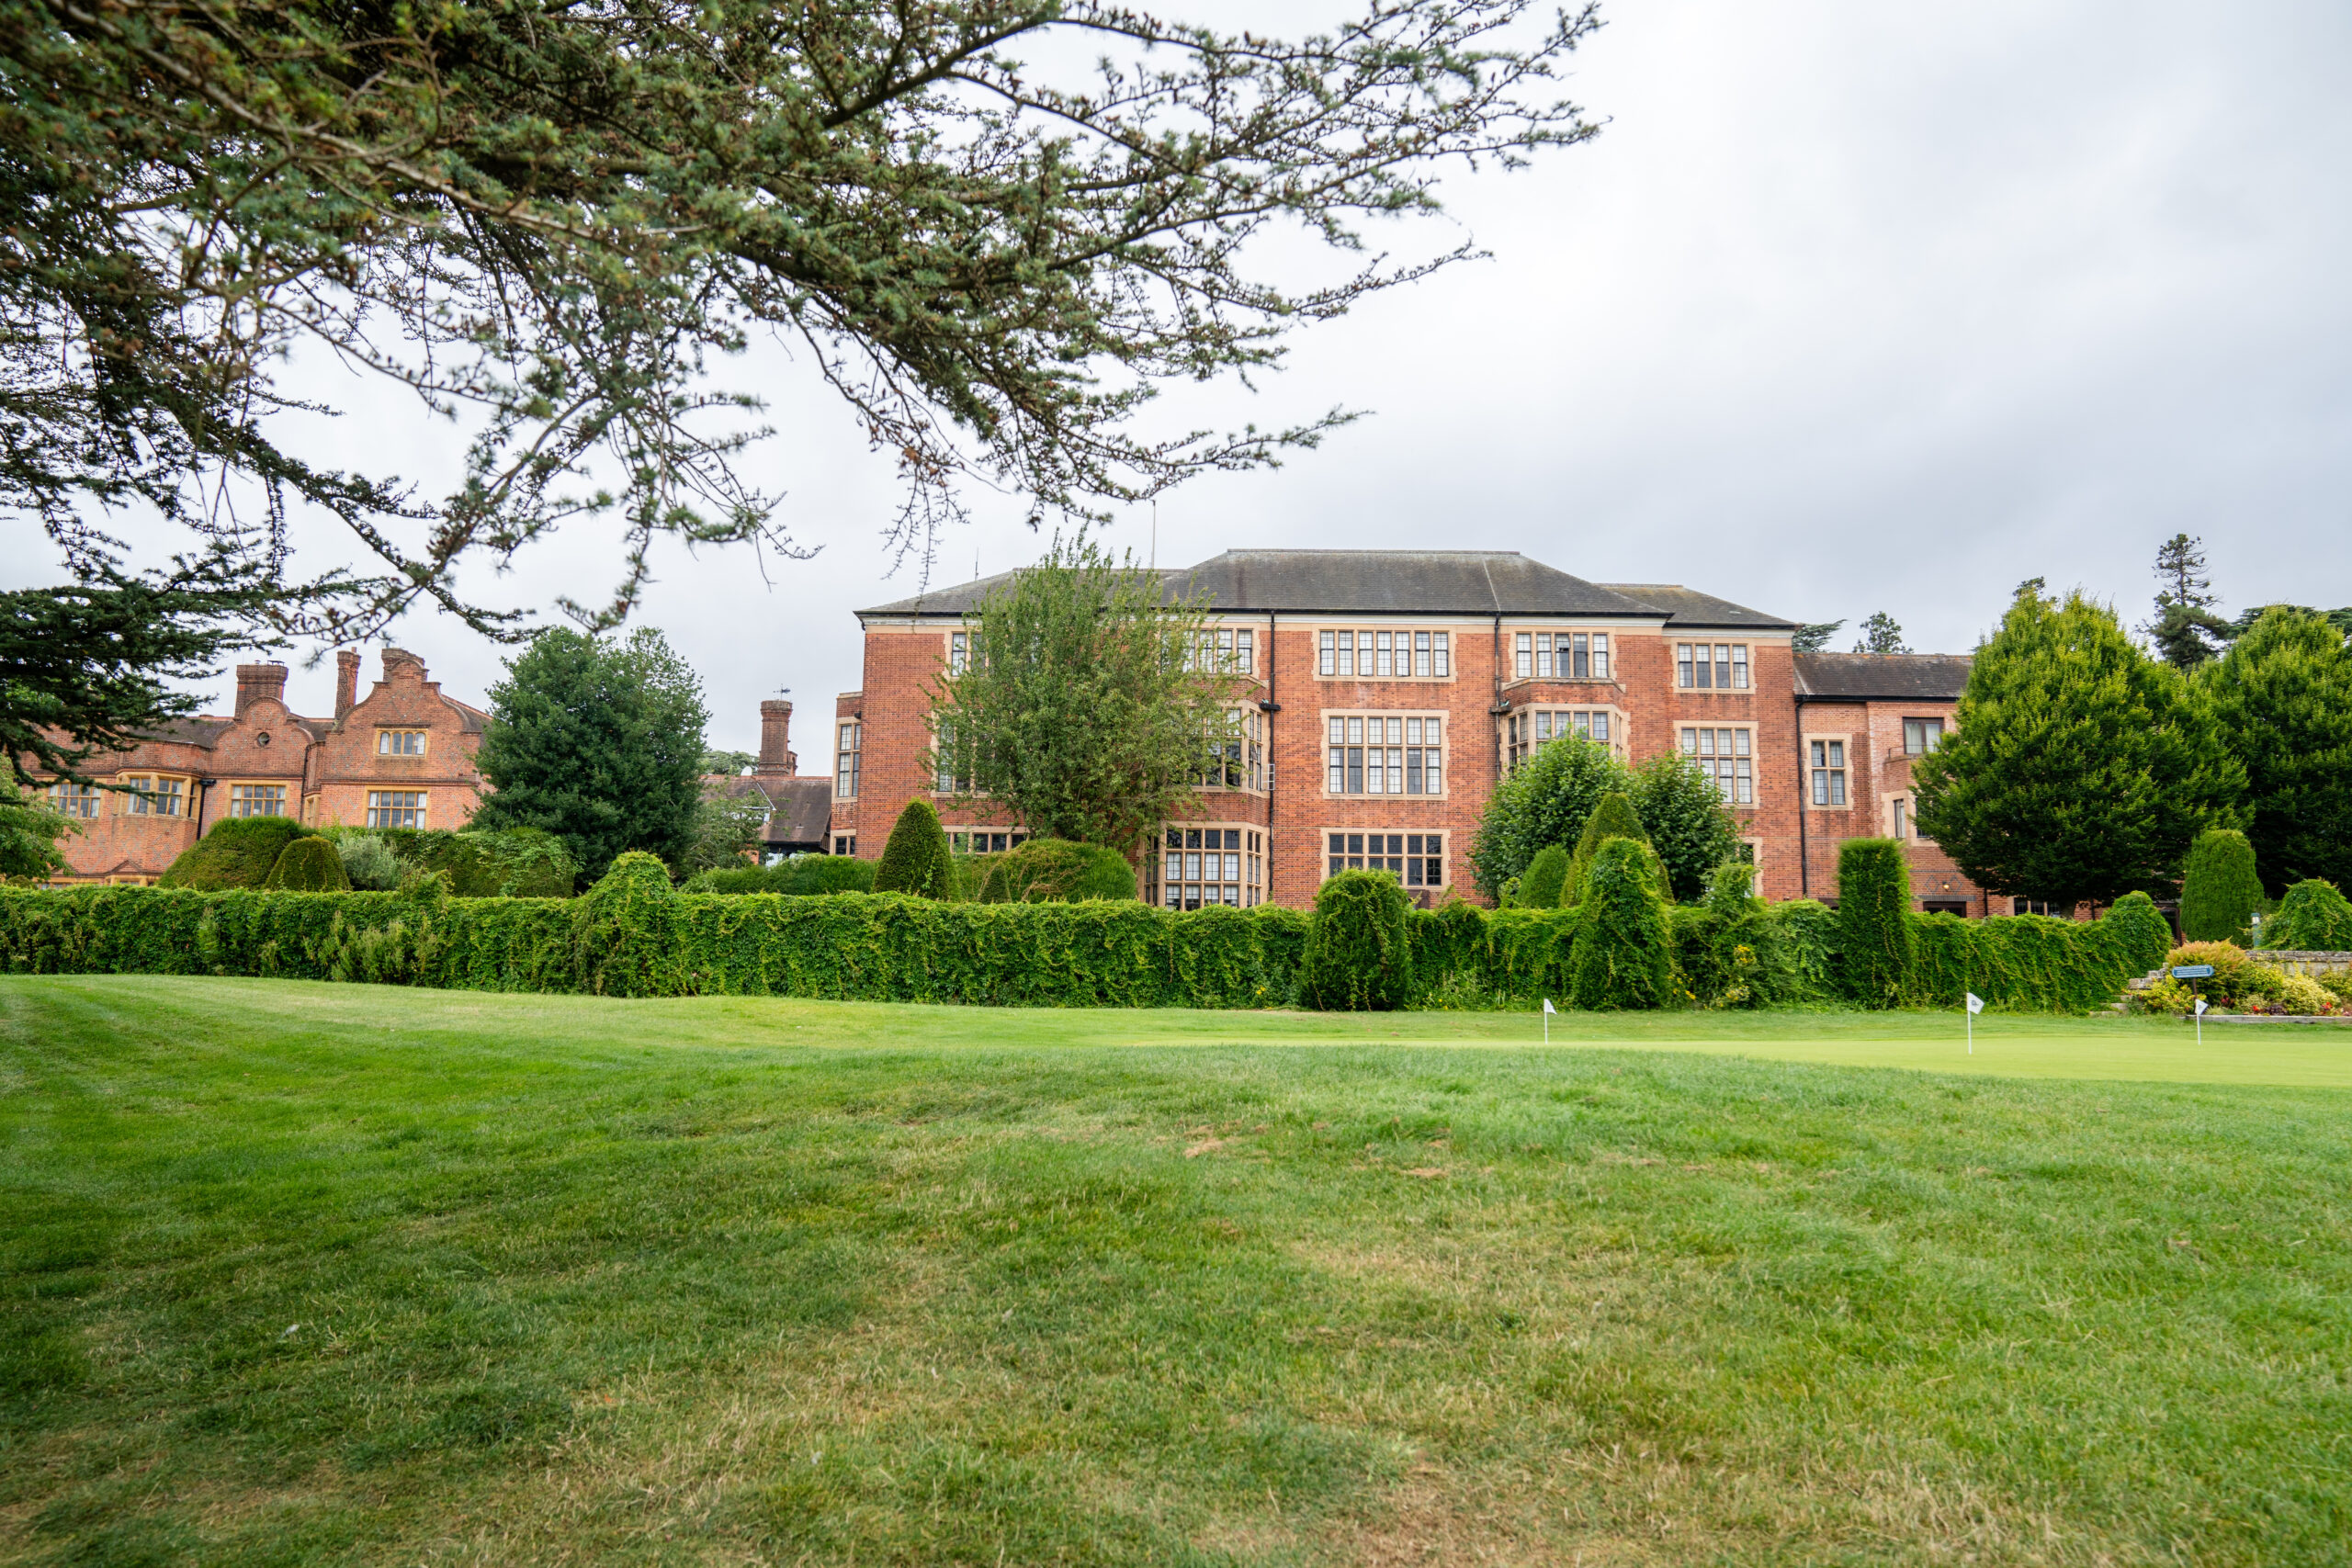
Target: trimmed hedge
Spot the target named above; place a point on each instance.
(1359, 957)
(1057, 871)
(1624, 953)
(802, 876)
(308, 864)
(1876, 947)
(635, 935)
(1545, 878)
(1614, 818)
(915, 860)
(236, 852)
(2219, 889)
(510, 863)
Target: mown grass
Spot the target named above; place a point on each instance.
(299, 1274)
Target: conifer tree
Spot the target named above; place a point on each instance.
(1881, 633)
(1612, 818)
(1546, 880)
(2186, 630)
(916, 860)
(2220, 890)
(1624, 953)
(1876, 948)
(2080, 768)
(2282, 696)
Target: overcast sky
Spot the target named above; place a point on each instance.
(1850, 306)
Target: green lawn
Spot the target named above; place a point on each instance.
(303, 1274)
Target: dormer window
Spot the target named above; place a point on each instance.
(399, 743)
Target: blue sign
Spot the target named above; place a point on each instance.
(2193, 972)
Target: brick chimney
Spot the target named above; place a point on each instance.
(255, 681)
(346, 681)
(776, 759)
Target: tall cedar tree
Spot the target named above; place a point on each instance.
(2186, 630)
(2080, 768)
(599, 742)
(996, 226)
(29, 831)
(1688, 826)
(1545, 800)
(2283, 697)
(1081, 708)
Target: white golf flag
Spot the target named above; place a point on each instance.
(1548, 1007)
(2200, 1006)
(1976, 1002)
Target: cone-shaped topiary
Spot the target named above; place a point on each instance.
(1877, 950)
(1545, 879)
(1057, 871)
(2219, 889)
(2314, 916)
(1624, 954)
(632, 940)
(915, 860)
(235, 852)
(1358, 957)
(1614, 818)
(308, 865)
(2141, 934)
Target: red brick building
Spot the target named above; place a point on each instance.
(1390, 691)
(401, 757)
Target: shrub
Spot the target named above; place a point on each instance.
(368, 863)
(2305, 997)
(1545, 879)
(916, 860)
(972, 873)
(512, 862)
(2313, 916)
(1614, 818)
(1730, 952)
(629, 933)
(1808, 930)
(2139, 933)
(236, 852)
(308, 864)
(2237, 981)
(1624, 953)
(1057, 871)
(802, 876)
(2219, 889)
(1876, 946)
(1357, 959)
(1545, 800)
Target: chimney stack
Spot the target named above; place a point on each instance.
(346, 681)
(776, 759)
(255, 681)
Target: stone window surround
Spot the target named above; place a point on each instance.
(1445, 746)
(1804, 756)
(1455, 634)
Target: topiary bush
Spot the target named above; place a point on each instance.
(630, 933)
(1545, 879)
(1614, 818)
(2139, 932)
(916, 859)
(1358, 957)
(308, 864)
(1624, 951)
(1057, 871)
(2219, 889)
(1877, 950)
(2314, 916)
(235, 852)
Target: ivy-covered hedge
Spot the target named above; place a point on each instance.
(635, 935)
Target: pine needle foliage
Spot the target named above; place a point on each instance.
(995, 226)
(2220, 890)
(1084, 709)
(1358, 957)
(29, 831)
(1624, 954)
(2314, 916)
(916, 859)
(2282, 696)
(1876, 946)
(1546, 800)
(308, 864)
(2080, 768)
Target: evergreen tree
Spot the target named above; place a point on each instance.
(1622, 956)
(598, 742)
(2186, 630)
(28, 831)
(1686, 821)
(2220, 891)
(2282, 696)
(1814, 635)
(1545, 800)
(1612, 818)
(916, 860)
(1544, 881)
(1880, 634)
(2080, 768)
(2313, 918)
(1877, 950)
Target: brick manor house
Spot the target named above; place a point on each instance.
(1388, 692)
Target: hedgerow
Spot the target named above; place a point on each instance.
(635, 935)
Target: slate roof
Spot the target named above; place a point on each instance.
(1921, 677)
(1478, 583)
(1689, 608)
(799, 809)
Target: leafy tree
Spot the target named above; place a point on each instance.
(1545, 879)
(28, 831)
(1880, 634)
(730, 764)
(2220, 891)
(598, 742)
(90, 668)
(554, 216)
(1814, 635)
(2282, 696)
(1687, 824)
(726, 827)
(2080, 768)
(1877, 951)
(2186, 630)
(916, 860)
(1082, 709)
(1545, 800)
